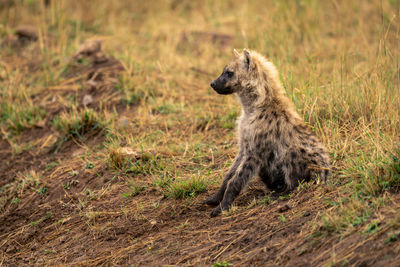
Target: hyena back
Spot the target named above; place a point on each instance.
(274, 142)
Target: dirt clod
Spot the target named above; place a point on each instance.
(87, 99)
(284, 208)
(26, 33)
(88, 48)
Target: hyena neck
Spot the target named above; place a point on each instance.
(256, 97)
(248, 101)
(278, 103)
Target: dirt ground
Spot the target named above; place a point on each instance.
(174, 233)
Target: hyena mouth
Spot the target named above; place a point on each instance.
(224, 91)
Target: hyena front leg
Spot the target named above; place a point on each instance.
(243, 174)
(217, 198)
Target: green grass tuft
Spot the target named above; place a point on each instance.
(183, 188)
(76, 124)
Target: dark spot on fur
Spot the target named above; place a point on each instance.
(293, 155)
(302, 150)
(271, 156)
(278, 133)
(287, 164)
(249, 168)
(303, 166)
(270, 120)
(285, 116)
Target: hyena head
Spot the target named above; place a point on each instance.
(252, 77)
(235, 74)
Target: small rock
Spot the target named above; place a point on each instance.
(87, 99)
(128, 151)
(26, 32)
(40, 124)
(153, 222)
(88, 48)
(284, 208)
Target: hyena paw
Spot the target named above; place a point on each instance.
(212, 200)
(216, 211)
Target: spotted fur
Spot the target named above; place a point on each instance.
(274, 142)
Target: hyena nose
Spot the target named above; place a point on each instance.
(212, 84)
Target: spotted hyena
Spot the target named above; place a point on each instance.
(274, 142)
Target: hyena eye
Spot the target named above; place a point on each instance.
(229, 73)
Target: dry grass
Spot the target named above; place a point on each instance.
(156, 136)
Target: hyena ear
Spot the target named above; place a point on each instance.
(247, 58)
(236, 53)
